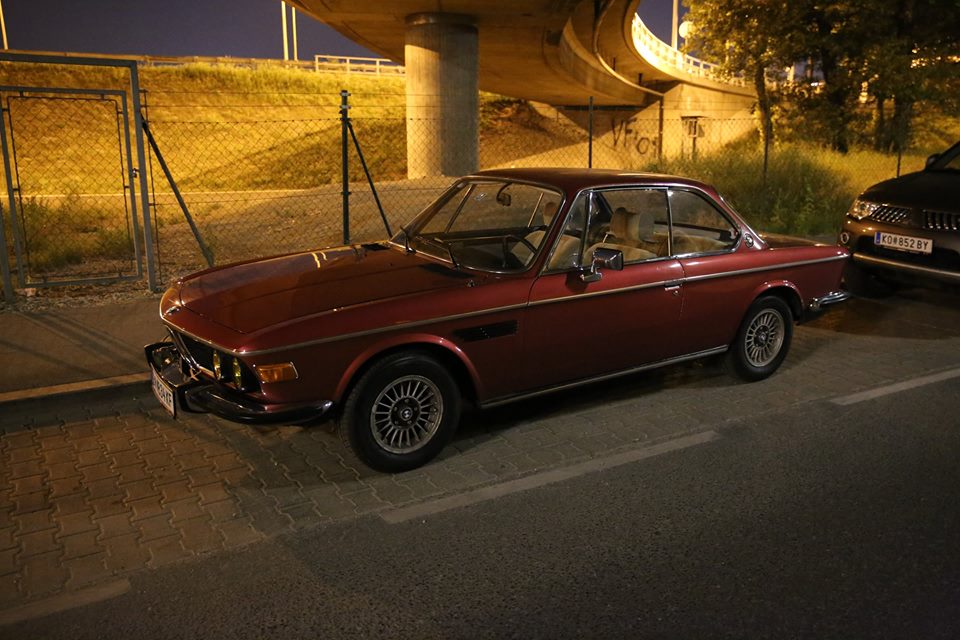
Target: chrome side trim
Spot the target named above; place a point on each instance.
(740, 272)
(607, 292)
(606, 376)
(950, 276)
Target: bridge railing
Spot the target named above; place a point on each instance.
(652, 47)
(345, 64)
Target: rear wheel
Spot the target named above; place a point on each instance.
(762, 341)
(401, 413)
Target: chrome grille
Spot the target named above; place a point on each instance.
(890, 215)
(941, 221)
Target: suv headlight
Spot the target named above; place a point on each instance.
(860, 209)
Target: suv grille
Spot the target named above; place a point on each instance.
(890, 215)
(941, 221)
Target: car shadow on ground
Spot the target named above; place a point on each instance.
(915, 313)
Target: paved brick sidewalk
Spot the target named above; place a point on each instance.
(93, 492)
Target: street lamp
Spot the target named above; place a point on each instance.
(3, 26)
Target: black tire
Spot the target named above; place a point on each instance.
(866, 284)
(762, 341)
(418, 403)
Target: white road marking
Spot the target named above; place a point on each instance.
(886, 390)
(64, 601)
(483, 494)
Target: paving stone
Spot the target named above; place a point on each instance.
(139, 489)
(366, 501)
(238, 533)
(174, 491)
(38, 542)
(88, 443)
(302, 516)
(30, 522)
(43, 574)
(104, 488)
(108, 506)
(8, 561)
(8, 537)
(202, 476)
(9, 590)
(29, 484)
(166, 474)
(89, 458)
(86, 570)
(68, 504)
(81, 544)
(393, 493)
(66, 486)
(214, 492)
(154, 527)
(99, 471)
(124, 459)
(145, 508)
(132, 473)
(157, 460)
(184, 509)
(114, 525)
(27, 468)
(118, 444)
(74, 523)
(221, 511)
(19, 440)
(268, 522)
(199, 535)
(22, 454)
(125, 553)
(30, 502)
(164, 551)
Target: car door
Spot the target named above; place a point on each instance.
(577, 328)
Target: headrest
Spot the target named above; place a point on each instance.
(629, 225)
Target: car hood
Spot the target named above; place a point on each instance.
(254, 295)
(934, 190)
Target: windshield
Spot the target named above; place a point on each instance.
(489, 225)
(949, 160)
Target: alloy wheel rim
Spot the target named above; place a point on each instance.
(764, 338)
(406, 414)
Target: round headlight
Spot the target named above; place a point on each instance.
(860, 209)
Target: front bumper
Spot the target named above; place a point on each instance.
(195, 394)
(942, 265)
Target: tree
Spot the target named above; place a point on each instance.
(752, 38)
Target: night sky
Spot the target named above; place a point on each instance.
(239, 28)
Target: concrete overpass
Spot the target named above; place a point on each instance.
(561, 52)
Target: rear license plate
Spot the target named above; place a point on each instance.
(903, 243)
(163, 393)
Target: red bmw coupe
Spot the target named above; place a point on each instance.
(514, 283)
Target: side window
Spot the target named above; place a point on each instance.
(638, 224)
(698, 227)
(566, 251)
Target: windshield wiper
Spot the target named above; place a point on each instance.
(444, 245)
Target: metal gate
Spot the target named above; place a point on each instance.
(72, 209)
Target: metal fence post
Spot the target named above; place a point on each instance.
(590, 135)
(142, 164)
(344, 166)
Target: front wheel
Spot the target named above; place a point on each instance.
(762, 341)
(401, 413)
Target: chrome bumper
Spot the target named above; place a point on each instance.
(831, 298)
(194, 394)
(906, 267)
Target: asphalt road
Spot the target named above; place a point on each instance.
(831, 522)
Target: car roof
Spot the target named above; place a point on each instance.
(573, 180)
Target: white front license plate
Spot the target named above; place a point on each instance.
(903, 243)
(163, 393)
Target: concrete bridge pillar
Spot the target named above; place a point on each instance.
(441, 60)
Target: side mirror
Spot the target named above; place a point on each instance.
(602, 258)
(931, 160)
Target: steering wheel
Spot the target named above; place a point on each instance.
(523, 241)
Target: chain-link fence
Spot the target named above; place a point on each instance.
(259, 170)
(262, 178)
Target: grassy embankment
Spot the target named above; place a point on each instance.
(241, 141)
